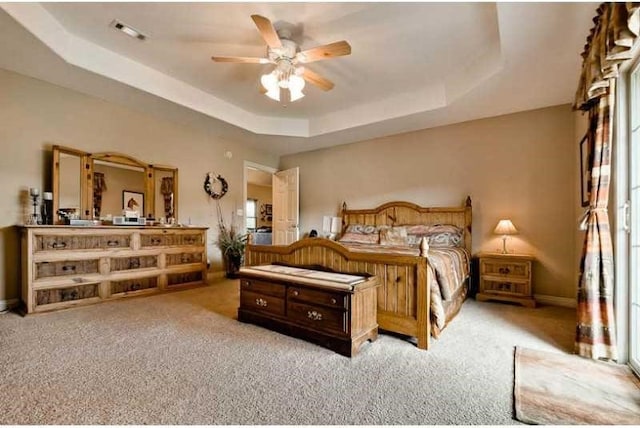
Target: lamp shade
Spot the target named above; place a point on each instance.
(505, 227)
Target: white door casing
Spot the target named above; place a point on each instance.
(286, 206)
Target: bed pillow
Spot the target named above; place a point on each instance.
(393, 235)
(438, 236)
(361, 234)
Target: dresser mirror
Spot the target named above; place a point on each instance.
(101, 185)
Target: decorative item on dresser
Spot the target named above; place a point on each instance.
(331, 309)
(411, 300)
(506, 277)
(65, 266)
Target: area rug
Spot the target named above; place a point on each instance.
(561, 389)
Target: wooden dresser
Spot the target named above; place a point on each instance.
(337, 316)
(506, 277)
(64, 266)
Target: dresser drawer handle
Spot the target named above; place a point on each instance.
(59, 245)
(261, 302)
(333, 301)
(156, 241)
(504, 271)
(315, 316)
(296, 292)
(112, 243)
(68, 267)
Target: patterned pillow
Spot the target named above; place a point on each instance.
(365, 229)
(360, 234)
(393, 236)
(438, 236)
(360, 238)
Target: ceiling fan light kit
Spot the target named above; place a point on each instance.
(285, 54)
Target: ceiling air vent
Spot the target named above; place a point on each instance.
(129, 31)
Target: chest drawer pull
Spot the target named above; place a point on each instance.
(112, 243)
(296, 292)
(156, 241)
(68, 267)
(333, 301)
(314, 315)
(261, 302)
(504, 270)
(59, 245)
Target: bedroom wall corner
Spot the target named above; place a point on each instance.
(519, 166)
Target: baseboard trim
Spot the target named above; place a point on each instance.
(8, 304)
(566, 302)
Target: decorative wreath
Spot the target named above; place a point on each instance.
(209, 184)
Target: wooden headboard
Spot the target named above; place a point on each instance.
(403, 213)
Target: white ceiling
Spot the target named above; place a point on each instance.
(413, 65)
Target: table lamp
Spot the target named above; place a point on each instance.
(505, 228)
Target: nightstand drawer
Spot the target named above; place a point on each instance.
(505, 287)
(506, 277)
(513, 269)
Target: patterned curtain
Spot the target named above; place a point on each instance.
(99, 186)
(166, 188)
(608, 44)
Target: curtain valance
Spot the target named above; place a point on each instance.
(608, 44)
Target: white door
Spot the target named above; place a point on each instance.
(286, 206)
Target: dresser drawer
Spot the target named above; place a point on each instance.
(335, 300)
(80, 242)
(262, 287)
(318, 317)
(67, 267)
(263, 303)
(512, 269)
(66, 294)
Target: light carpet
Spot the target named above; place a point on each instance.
(176, 359)
(560, 389)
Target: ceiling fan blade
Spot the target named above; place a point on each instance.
(315, 79)
(268, 33)
(241, 59)
(331, 50)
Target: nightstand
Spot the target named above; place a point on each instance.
(506, 277)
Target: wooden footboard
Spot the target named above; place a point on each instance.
(403, 297)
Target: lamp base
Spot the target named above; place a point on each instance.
(504, 244)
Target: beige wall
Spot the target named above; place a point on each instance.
(34, 115)
(519, 166)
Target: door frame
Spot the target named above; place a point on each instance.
(621, 197)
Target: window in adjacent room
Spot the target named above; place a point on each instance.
(252, 219)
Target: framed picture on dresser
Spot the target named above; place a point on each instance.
(586, 160)
(133, 201)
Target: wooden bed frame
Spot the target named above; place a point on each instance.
(403, 297)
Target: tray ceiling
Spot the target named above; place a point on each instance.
(413, 65)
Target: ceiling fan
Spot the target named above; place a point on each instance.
(287, 57)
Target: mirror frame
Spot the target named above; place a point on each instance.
(86, 180)
(84, 160)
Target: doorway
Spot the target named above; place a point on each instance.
(258, 197)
